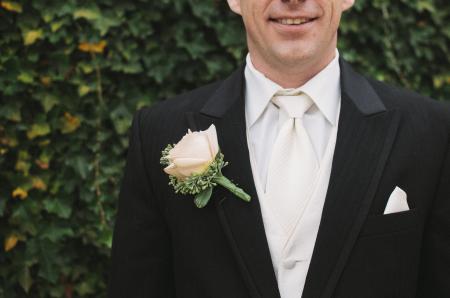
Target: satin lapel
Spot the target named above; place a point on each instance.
(241, 221)
(366, 133)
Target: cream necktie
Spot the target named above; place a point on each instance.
(293, 165)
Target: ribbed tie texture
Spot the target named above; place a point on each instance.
(293, 165)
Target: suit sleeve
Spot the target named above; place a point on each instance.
(434, 279)
(141, 250)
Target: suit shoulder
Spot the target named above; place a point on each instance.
(167, 112)
(417, 106)
(191, 100)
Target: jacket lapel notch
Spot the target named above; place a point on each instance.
(359, 91)
(230, 91)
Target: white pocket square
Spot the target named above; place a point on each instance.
(397, 201)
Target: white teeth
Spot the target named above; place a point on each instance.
(293, 21)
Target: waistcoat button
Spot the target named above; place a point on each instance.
(289, 264)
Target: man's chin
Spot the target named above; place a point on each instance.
(294, 57)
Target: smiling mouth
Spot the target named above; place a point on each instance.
(293, 21)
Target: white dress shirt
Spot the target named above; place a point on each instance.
(264, 119)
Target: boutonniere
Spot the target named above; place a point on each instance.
(195, 165)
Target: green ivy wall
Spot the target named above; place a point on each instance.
(73, 72)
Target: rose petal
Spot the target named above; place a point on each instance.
(189, 166)
(188, 162)
(192, 145)
(172, 170)
(211, 133)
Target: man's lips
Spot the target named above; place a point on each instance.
(293, 21)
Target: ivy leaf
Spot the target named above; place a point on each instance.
(121, 118)
(55, 26)
(85, 287)
(19, 193)
(10, 242)
(101, 20)
(104, 23)
(90, 14)
(70, 123)
(80, 165)
(38, 183)
(11, 112)
(83, 90)
(25, 279)
(31, 36)
(11, 6)
(49, 101)
(98, 47)
(58, 207)
(423, 5)
(56, 233)
(26, 77)
(37, 130)
(105, 237)
(47, 268)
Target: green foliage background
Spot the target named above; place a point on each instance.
(73, 72)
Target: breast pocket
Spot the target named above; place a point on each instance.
(391, 223)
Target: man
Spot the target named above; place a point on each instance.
(349, 178)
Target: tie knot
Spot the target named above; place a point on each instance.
(294, 105)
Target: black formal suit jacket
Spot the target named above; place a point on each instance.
(166, 247)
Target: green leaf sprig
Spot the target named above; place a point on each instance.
(202, 184)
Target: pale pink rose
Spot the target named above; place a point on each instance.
(193, 153)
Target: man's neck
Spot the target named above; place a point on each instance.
(288, 75)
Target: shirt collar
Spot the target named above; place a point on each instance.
(324, 89)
